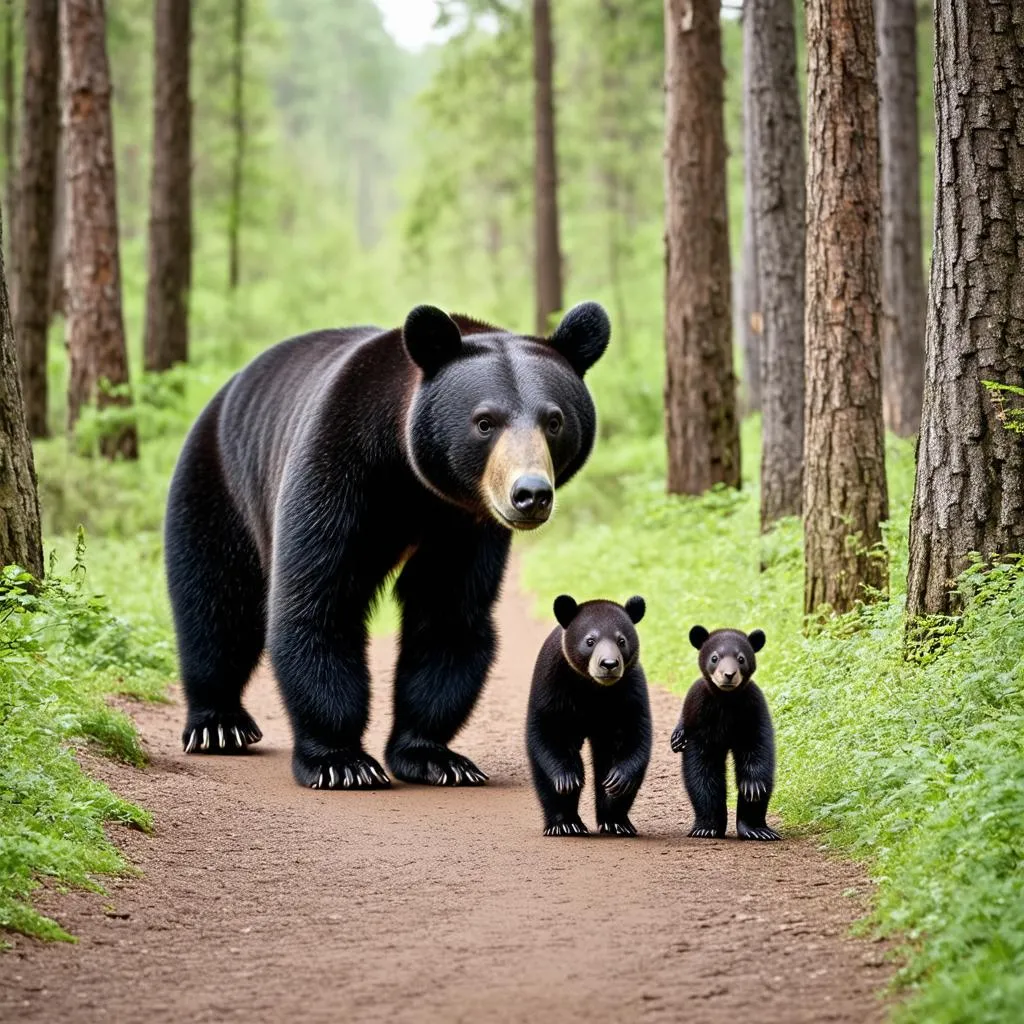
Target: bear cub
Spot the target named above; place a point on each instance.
(726, 710)
(588, 684)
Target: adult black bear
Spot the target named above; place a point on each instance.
(726, 710)
(313, 473)
(588, 684)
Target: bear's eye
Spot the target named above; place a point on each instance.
(621, 641)
(484, 426)
(742, 660)
(713, 659)
(555, 423)
(591, 641)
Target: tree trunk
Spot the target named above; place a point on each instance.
(777, 160)
(59, 243)
(11, 184)
(33, 213)
(170, 197)
(903, 294)
(20, 535)
(969, 493)
(237, 161)
(95, 325)
(750, 294)
(845, 494)
(700, 387)
(548, 259)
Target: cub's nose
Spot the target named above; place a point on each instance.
(728, 676)
(609, 664)
(532, 496)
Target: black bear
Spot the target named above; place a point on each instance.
(726, 710)
(329, 461)
(588, 684)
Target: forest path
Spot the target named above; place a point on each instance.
(261, 901)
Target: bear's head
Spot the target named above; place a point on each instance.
(727, 656)
(598, 637)
(499, 420)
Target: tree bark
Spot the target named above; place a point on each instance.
(20, 534)
(750, 293)
(845, 494)
(969, 491)
(777, 162)
(11, 184)
(59, 243)
(95, 324)
(170, 197)
(238, 158)
(700, 387)
(548, 260)
(903, 293)
(33, 213)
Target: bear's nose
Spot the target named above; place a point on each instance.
(609, 664)
(728, 676)
(532, 496)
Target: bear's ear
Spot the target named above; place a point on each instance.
(432, 338)
(582, 336)
(698, 635)
(565, 610)
(635, 608)
(757, 639)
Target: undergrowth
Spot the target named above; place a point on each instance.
(915, 767)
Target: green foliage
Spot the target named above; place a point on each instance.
(1009, 404)
(913, 766)
(61, 652)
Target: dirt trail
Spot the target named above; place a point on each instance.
(265, 902)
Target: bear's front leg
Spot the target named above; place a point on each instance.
(704, 778)
(558, 779)
(754, 783)
(446, 590)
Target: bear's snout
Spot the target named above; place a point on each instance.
(532, 496)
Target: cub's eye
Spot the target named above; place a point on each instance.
(621, 641)
(555, 424)
(484, 426)
(713, 659)
(591, 641)
(742, 660)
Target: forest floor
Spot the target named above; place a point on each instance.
(261, 901)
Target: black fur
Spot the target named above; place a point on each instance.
(305, 482)
(567, 706)
(713, 723)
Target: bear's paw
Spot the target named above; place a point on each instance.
(340, 770)
(219, 732)
(618, 828)
(573, 827)
(433, 764)
(761, 833)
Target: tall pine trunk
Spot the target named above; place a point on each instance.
(903, 293)
(20, 534)
(845, 494)
(33, 214)
(777, 161)
(969, 492)
(10, 130)
(95, 325)
(700, 387)
(170, 198)
(238, 157)
(750, 320)
(548, 259)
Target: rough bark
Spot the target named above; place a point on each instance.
(548, 259)
(903, 292)
(700, 387)
(95, 324)
(33, 213)
(59, 244)
(969, 492)
(750, 322)
(11, 184)
(170, 197)
(845, 494)
(777, 162)
(238, 157)
(20, 534)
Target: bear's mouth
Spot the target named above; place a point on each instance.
(516, 523)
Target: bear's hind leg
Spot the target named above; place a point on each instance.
(704, 778)
(217, 593)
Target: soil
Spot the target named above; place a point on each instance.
(261, 901)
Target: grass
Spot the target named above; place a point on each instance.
(914, 767)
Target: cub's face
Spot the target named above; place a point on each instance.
(599, 639)
(500, 421)
(727, 656)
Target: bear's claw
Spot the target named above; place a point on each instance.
(762, 833)
(617, 828)
(678, 740)
(753, 790)
(567, 782)
(216, 732)
(361, 772)
(704, 833)
(434, 765)
(567, 828)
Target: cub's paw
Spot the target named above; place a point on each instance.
(567, 783)
(339, 770)
(434, 765)
(617, 783)
(572, 827)
(678, 740)
(757, 832)
(700, 832)
(753, 790)
(618, 828)
(219, 732)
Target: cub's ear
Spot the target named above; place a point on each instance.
(582, 336)
(757, 639)
(635, 608)
(432, 338)
(565, 610)
(697, 636)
